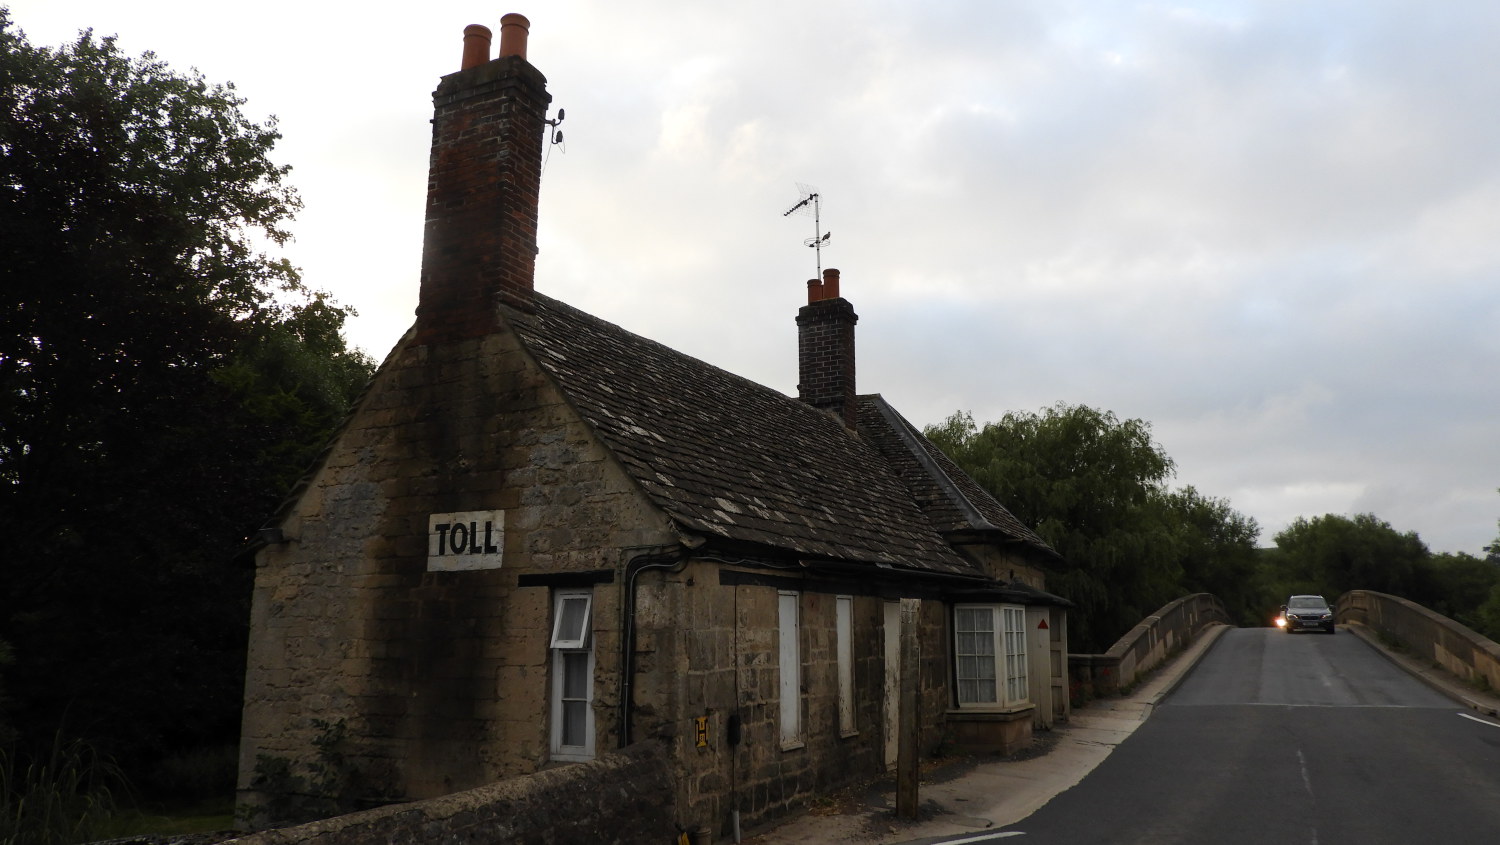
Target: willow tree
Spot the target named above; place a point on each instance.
(1094, 487)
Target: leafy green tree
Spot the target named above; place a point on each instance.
(1093, 486)
(1216, 547)
(162, 382)
(1332, 553)
(1487, 615)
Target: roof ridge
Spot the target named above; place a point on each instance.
(906, 432)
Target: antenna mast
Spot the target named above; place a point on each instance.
(811, 199)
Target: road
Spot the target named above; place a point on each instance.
(1291, 739)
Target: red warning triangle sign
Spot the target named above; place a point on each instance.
(1042, 626)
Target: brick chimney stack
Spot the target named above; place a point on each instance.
(488, 130)
(825, 349)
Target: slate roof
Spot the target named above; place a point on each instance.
(952, 500)
(727, 458)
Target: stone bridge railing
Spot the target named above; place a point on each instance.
(1144, 647)
(1425, 634)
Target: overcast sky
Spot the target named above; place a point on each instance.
(1266, 228)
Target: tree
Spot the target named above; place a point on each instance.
(1218, 554)
(162, 382)
(1331, 554)
(1455, 585)
(1093, 486)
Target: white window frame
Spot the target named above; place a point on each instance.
(1017, 664)
(566, 646)
(571, 639)
(1002, 652)
(789, 646)
(844, 646)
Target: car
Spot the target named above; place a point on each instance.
(1306, 613)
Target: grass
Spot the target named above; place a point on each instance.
(69, 793)
(63, 795)
(203, 818)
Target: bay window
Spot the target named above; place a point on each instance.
(990, 655)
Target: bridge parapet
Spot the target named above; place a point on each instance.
(1144, 647)
(1425, 634)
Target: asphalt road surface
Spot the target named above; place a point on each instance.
(1304, 739)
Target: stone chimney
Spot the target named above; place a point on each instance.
(825, 349)
(479, 243)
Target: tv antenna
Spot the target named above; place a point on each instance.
(557, 136)
(811, 199)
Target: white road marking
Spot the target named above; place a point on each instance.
(1307, 782)
(1479, 720)
(1340, 706)
(983, 837)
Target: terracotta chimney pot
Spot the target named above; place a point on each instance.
(477, 40)
(830, 284)
(814, 291)
(513, 31)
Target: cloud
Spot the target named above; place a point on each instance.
(1267, 228)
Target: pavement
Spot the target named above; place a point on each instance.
(965, 798)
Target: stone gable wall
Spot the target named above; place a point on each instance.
(1005, 564)
(440, 679)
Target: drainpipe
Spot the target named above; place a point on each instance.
(674, 561)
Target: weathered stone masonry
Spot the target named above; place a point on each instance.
(439, 673)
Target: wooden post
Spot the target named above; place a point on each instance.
(908, 770)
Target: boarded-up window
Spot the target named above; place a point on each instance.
(790, 627)
(844, 631)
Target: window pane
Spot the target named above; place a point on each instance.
(966, 643)
(986, 668)
(967, 690)
(976, 692)
(975, 619)
(572, 622)
(1016, 682)
(575, 721)
(575, 675)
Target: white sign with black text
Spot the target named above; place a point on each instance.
(466, 540)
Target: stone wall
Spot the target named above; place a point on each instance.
(731, 672)
(1144, 647)
(440, 679)
(1455, 647)
(623, 798)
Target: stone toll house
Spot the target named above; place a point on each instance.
(539, 537)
